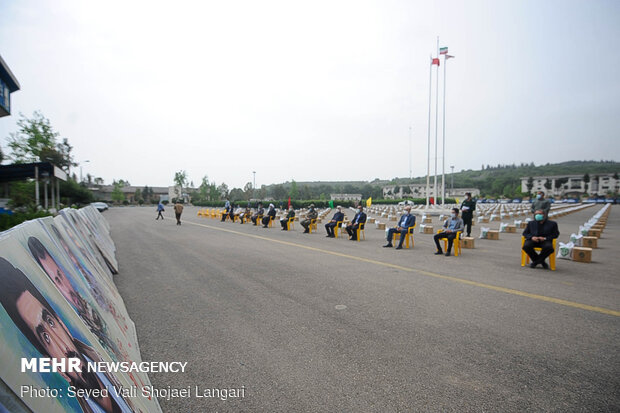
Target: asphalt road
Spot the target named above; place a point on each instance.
(310, 324)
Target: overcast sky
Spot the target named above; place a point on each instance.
(314, 90)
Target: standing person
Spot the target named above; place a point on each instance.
(540, 233)
(451, 227)
(468, 207)
(541, 203)
(406, 221)
(178, 210)
(160, 209)
(359, 219)
(312, 214)
(259, 214)
(284, 221)
(338, 217)
(227, 210)
(271, 214)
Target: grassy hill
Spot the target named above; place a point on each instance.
(494, 181)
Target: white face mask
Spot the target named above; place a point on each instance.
(453, 215)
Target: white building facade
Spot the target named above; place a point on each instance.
(572, 185)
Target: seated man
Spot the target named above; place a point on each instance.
(540, 234)
(244, 214)
(329, 227)
(260, 211)
(284, 221)
(271, 214)
(359, 219)
(406, 220)
(450, 228)
(312, 214)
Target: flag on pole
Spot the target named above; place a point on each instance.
(443, 50)
(331, 204)
(449, 57)
(435, 61)
(368, 202)
(289, 202)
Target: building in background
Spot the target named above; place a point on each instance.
(569, 186)
(345, 197)
(419, 191)
(8, 85)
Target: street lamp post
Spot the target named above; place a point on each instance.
(86, 161)
(254, 185)
(452, 179)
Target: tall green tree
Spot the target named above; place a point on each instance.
(117, 193)
(293, 192)
(37, 141)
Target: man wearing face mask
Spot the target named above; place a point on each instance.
(540, 233)
(405, 221)
(359, 219)
(541, 203)
(450, 228)
(468, 207)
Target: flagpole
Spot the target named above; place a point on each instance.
(443, 160)
(410, 152)
(428, 153)
(436, 125)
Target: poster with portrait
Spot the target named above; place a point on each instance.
(58, 302)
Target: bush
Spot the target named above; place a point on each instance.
(10, 220)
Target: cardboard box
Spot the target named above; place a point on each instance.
(511, 228)
(590, 242)
(485, 220)
(493, 234)
(468, 242)
(428, 230)
(594, 233)
(582, 254)
(523, 225)
(427, 220)
(370, 220)
(381, 225)
(393, 218)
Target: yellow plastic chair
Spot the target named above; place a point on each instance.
(290, 224)
(337, 229)
(360, 230)
(456, 243)
(525, 259)
(312, 225)
(396, 236)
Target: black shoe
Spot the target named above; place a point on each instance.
(533, 265)
(447, 253)
(388, 245)
(353, 239)
(398, 248)
(439, 252)
(306, 232)
(265, 226)
(545, 265)
(328, 236)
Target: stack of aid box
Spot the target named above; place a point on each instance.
(584, 253)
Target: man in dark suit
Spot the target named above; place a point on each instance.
(259, 214)
(406, 220)
(359, 219)
(540, 233)
(338, 217)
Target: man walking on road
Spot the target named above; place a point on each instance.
(178, 210)
(160, 209)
